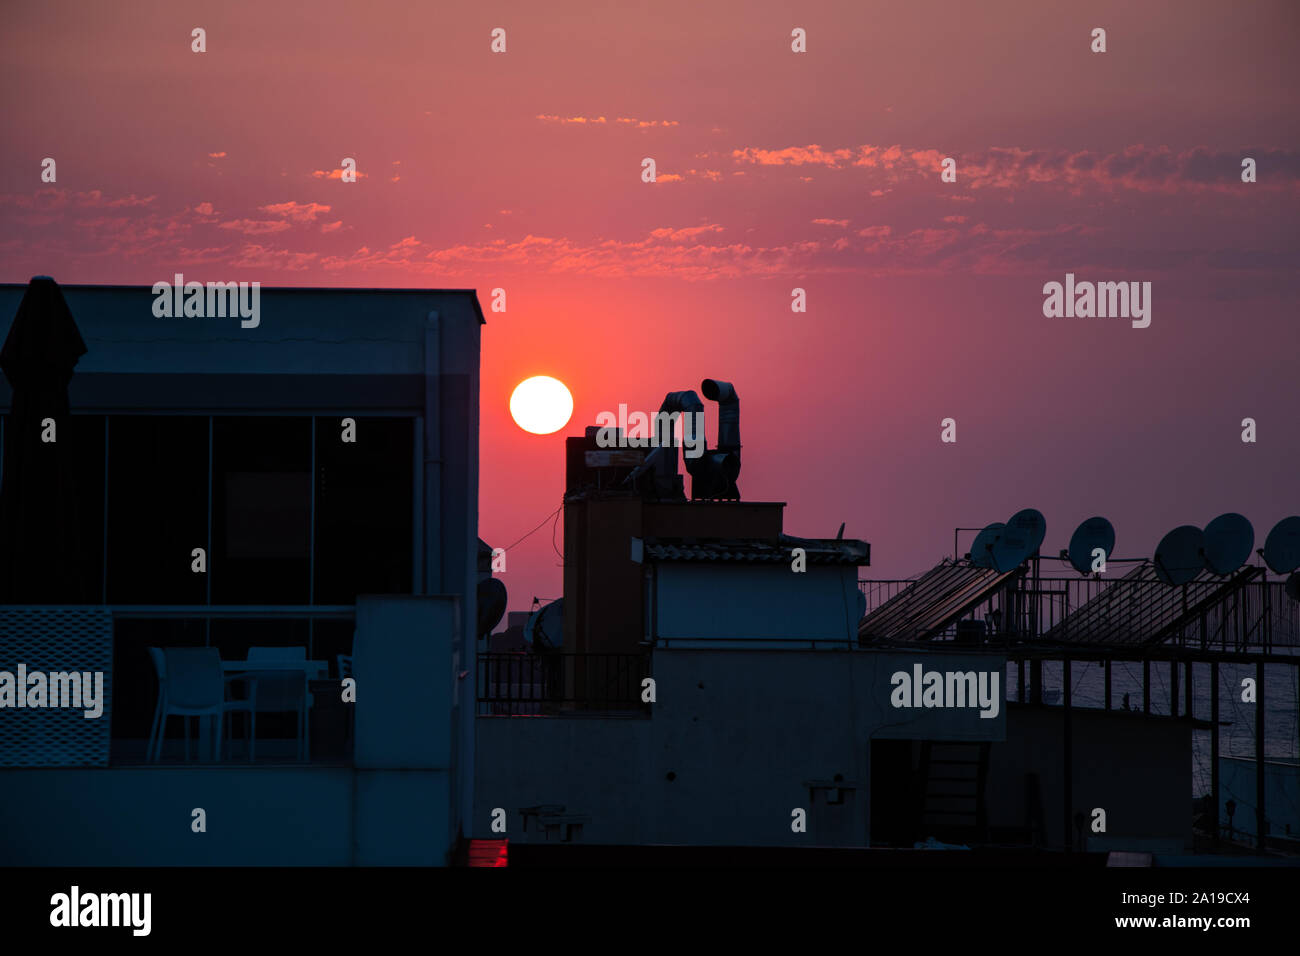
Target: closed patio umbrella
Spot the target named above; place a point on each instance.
(40, 550)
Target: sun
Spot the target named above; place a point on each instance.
(541, 405)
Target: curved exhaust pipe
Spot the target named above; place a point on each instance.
(724, 461)
(724, 393)
(663, 460)
(714, 471)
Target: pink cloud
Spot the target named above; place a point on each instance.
(582, 120)
(600, 121)
(335, 174)
(792, 156)
(43, 199)
(400, 253)
(260, 257)
(644, 124)
(296, 211)
(689, 232)
(96, 198)
(254, 227)
(1136, 167)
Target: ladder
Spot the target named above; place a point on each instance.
(951, 783)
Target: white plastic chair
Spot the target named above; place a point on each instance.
(191, 684)
(282, 691)
(160, 670)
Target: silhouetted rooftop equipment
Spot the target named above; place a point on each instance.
(719, 476)
(1180, 555)
(1092, 534)
(926, 607)
(714, 471)
(981, 549)
(545, 627)
(1019, 540)
(589, 467)
(749, 551)
(1282, 547)
(491, 602)
(1229, 540)
(1141, 608)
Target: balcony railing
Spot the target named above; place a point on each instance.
(561, 683)
(1250, 616)
(113, 641)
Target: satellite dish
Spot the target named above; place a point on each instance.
(491, 604)
(1229, 539)
(981, 549)
(1282, 547)
(1092, 534)
(1179, 556)
(545, 628)
(1293, 586)
(1019, 540)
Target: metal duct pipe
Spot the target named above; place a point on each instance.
(724, 393)
(664, 459)
(718, 480)
(688, 403)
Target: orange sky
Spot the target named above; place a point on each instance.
(777, 170)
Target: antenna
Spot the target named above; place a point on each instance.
(1180, 555)
(1282, 546)
(1092, 534)
(1020, 539)
(1229, 540)
(981, 549)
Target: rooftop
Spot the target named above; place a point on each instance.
(841, 551)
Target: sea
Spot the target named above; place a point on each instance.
(1236, 717)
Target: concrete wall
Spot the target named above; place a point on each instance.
(397, 807)
(604, 587)
(1281, 796)
(694, 600)
(408, 742)
(1137, 768)
(142, 817)
(733, 740)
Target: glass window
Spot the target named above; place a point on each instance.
(364, 519)
(157, 508)
(261, 510)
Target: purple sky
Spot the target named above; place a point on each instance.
(776, 170)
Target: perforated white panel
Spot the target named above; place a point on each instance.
(56, 640)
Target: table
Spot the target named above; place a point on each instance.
(237, 670)
(315, 670)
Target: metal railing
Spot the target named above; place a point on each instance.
(877, 592)
(561, 683)
(1255, 614)
(330, 729)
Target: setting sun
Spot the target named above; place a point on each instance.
(541, 405)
